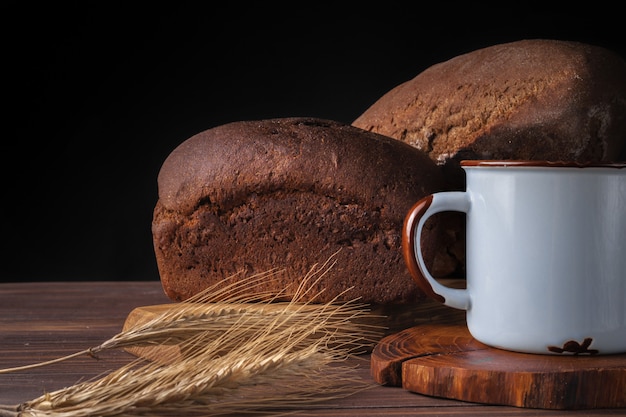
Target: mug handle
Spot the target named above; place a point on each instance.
(412, 250)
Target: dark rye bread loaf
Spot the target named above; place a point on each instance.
(531, 99)
(250, 196)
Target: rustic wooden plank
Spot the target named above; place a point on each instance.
(47, 320)
(41, 321)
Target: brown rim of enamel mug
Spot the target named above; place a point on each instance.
(529, 163)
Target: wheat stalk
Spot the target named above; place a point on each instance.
(233, 347)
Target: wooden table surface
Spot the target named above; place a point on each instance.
(42, 321)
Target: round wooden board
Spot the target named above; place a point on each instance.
(443, 360)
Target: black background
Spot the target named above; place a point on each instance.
(96, 95)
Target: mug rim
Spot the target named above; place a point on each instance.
(538, 163)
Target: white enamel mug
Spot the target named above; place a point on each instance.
(545, 255)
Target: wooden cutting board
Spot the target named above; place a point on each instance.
(437, 356)
(389, 319)
(443, 360)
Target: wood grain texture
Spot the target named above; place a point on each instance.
(445, 361)
(42, 321)
(388, 319)
(141, 315)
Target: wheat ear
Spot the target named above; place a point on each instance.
(231, 352)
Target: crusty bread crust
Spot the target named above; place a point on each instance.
(287, 193)
(531, 99)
